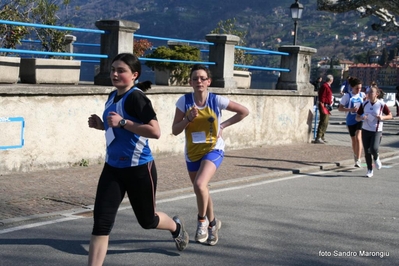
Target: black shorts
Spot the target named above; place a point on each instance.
(353, 128)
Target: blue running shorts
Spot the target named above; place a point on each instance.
(215, 156)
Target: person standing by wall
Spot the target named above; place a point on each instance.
(129, 120)
(372, 112)
(199, 114)
(325, 106)
(317, 85)
(350, 103)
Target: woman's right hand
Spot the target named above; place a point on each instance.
(193, 113)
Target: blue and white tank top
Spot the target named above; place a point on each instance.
(127, 149)
(350, 100)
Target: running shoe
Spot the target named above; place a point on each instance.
(369, 173)
(182, 239)
(358, 163)
(378, 164)
(213, 233)
(202, 231)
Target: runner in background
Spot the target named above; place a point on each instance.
(350, 103)
(372, 112)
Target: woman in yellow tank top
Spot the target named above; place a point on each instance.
(199, 115)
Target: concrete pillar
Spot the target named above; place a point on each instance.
(118, 39)
(222, 53)
(68, 44)
(299, 62)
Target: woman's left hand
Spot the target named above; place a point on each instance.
(113, 119)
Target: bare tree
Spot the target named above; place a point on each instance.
(385, 10)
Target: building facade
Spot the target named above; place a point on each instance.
(387, 75)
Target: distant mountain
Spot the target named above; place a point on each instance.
(268, 23)
(173, 18)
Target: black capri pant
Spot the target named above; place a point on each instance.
(371, 144)
(139, 182)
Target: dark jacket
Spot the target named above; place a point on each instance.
(316, 85)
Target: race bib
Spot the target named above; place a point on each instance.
(198, 137)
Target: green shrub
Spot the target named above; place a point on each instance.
(180, 72)
(11, 35)
(34, 11)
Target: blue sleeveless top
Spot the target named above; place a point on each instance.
(354, 100)
(127, 149)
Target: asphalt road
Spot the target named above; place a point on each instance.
(321, 218)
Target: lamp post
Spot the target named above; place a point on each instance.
(296, 14)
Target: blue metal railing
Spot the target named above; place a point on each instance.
(20, 51)
(262, 52)
(86, 44)
(99, 56)
(263, 68)
(16, 23)
(177, 61)
(171, 39)
(34, 52)
(176, 40)
(259, 51)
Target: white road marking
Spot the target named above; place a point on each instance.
(27, 226)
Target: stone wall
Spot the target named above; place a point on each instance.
(56, 132)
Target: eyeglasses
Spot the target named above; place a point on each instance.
(200, 78)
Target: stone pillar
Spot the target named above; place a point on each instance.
(117, 39)
(222, 53)
(299, 62)
(68, 44)
(174, 44)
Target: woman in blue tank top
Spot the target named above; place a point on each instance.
(129, 120)
(350, 103)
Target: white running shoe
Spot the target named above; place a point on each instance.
(378, 164)
(369, 173)
(202, 231)
(213, 231)
(358, 163)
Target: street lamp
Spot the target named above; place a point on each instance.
(296, 14)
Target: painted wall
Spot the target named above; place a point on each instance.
(56, 132)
